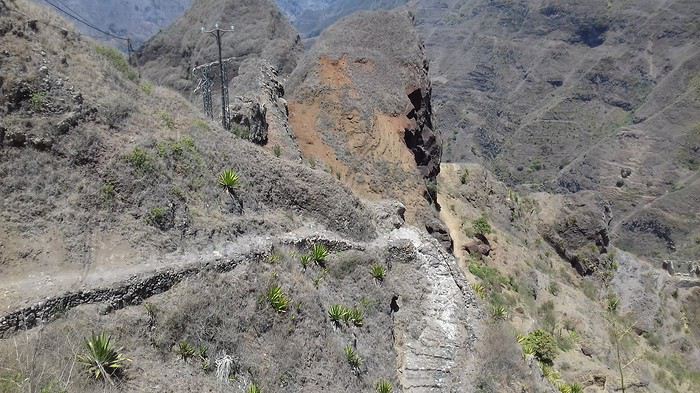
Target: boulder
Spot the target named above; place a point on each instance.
(439, 231)
(477, 247)
(388, 215)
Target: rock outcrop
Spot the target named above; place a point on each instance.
(259, 106)
(261, 31)
(361, 107)
(580, 233)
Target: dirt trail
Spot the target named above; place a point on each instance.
(21, 291)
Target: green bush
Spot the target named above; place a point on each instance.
(108, 192)
(541, 345)
(158, 217)
(337, 313)
(100, 359)
(479, 290)
(554, 288)
(229, 179)
(305, 261)
(168, 120)
(378, 272)
(117, 60)
(185, 350)
(319, 254)
(356, 316)
(277, 299)
(140, 160)
(464, 178)
(37, 101)
(147, 88)
(481, 226)
(253, 388)
(352, 357)
(613, 303)
(499, 313)
(384, 387)
(277, 150)
(240, 131)
(490, 276)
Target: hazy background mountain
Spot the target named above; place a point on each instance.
(136, 19)
(310, 17)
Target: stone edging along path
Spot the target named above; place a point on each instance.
(136, 289)
(127, 293)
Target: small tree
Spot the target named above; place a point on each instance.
(620, 333)
(481, 227)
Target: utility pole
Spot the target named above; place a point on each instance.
(218, 33)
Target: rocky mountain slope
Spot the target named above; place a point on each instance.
(113, 218)
(361, 108)
(261, 31)
(572, 96)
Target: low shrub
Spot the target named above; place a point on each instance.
(481, 226)
(277, 299)
(337, 313)
(117, 60)
(140, 160)
(352, 357)
(383, 387)
(378, 272)
(319, 254)
(541, 345)
(101, 359)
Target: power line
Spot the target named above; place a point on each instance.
(84, 21)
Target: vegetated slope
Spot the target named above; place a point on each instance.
(570, 96)
(261, 31)
(111, 194)
(527, 283)
(101, 170)
(136, 19)
(360, 107)
(311, 17)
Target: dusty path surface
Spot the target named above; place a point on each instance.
(21, 290)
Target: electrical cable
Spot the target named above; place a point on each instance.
(82, 20)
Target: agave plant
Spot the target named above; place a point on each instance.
(186, 350)
(101, 359)
(573, 388)
(278, 300)
(384, 387)
(356, 316)
(305, 260)
(352, 357)
(337, 313)
(480, 290)
(499, 313)
(378, 272)
(253, 388)
(229, 180)
(319, 253)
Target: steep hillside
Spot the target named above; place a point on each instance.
(526, 282)
(572, 96)
(115, 220)
(261, 31)
(361, 108)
